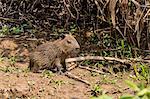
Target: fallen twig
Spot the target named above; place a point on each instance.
(90, 69)
(124, 61)
(70, 75)
(139, 60)
(98, 58)
(97, 71)
(72, 67)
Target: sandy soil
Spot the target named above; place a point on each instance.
(16, 81)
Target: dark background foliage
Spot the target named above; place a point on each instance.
(94, 22)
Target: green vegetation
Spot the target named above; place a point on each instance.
(96, 90)
(104, 96)
(115, 47)
(47, 73)
(5, 30)
(9, 69)
(106, 80)
(57, 83)
(142, 73)
(141, 91)
(12, 60)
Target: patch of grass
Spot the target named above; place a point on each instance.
(141, 91)
(13, 60)
(5, 30)
(9, 69)
(96, 90)
(87, 62)
(26, 70)
(98, 93)
(106, 80)
(16, 30)
(114, 46)
(57, 82)
(47, 73)
(104, 96)
(142, 72)
(71, 29)
(94, 74)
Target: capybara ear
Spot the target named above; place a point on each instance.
(66, 35)
(63, 36)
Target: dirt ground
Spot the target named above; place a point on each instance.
(16, 81)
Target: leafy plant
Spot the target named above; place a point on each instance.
(140, 92)
(96, 90)
(16, 30)
(87, 62)
(142, 72)
(94, 74)
(108, 81)
(13, 60)
(104, 96)
(26, 70)
(124, 49)
(4, 30)
(98, 93)
(73, 28)
(47, 73)
(8, 69)
(57, 82)
(11, 30)
(145, 72)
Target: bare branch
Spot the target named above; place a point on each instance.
(124, 61)
(68, 74)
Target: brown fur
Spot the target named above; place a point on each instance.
(52, 55)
